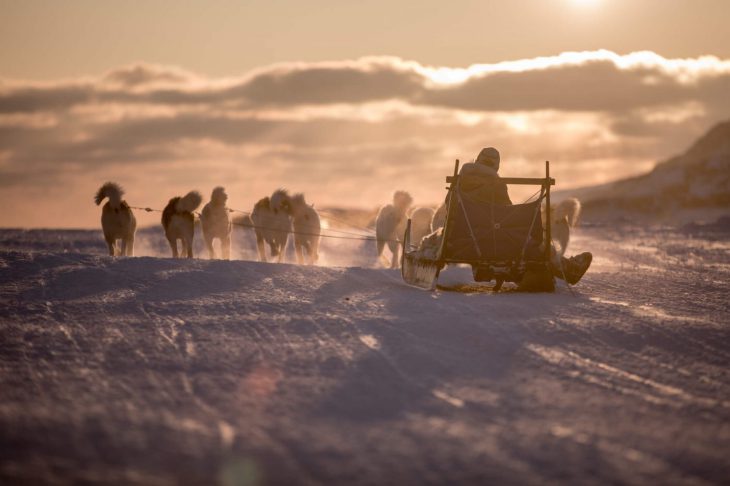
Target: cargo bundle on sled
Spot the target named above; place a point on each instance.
(504, 243)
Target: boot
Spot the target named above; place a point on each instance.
(575, 267)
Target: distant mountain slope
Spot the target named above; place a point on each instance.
(694, 184)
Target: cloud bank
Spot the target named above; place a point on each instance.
(347, 132)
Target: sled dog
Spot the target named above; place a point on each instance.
(271, 227)
(117, 219)
(420, 224)
(390, 225)
(216, 223)
(305, 224)
(179, 222)
(564, 217)
(439, 218)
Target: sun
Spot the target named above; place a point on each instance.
(585, 3)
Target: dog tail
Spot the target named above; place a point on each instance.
(570, 210)
(110, 190)
(189, 202)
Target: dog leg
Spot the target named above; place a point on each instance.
(226, 247)
(173, 246)
(381, 246)
(307, 252)
(130, 246)
(261, 248)
(277, 250)
(561, 235)
(209, 245)
(111, 244)
(282, 247)
(315, 252)
(189, 247)
(394, 250)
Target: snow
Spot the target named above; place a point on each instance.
(158, 371)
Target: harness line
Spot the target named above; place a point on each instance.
(358, 237)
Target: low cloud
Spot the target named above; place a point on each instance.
(350, 131)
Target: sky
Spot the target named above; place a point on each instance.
(345, 101)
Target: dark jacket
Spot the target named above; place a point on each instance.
(483, 184)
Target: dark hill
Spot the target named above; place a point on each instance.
(691, 186)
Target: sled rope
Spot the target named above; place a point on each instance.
(231, 210)
(331, 218)
(149, 210)
(359, 237)
(355, 237)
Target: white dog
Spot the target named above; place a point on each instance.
(564, 217)
(420, 224)
(179, 222)
(305, 222)
(216, 223)
(439, 218)
(271, 227)
(390, 225)
(117, 220)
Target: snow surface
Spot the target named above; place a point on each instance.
(157, 371)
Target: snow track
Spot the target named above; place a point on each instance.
(155, 371)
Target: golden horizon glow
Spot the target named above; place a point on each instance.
(345, 101)
(585, 3)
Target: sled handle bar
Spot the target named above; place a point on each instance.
(526, 181)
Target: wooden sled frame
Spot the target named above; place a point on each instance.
(423, 273)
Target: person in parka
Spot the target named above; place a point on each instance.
(481, 181)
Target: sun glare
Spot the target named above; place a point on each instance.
(585, 3)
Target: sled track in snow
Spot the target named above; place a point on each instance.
(156, 371)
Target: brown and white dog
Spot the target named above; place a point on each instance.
(179, 222)
(216, 223)
(305, 223)
(271, 227)
(390, 225)
(117, 220)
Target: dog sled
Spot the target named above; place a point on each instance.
(503, 243)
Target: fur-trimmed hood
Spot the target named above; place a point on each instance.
(483, 183)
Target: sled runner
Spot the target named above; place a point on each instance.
(503, 243)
